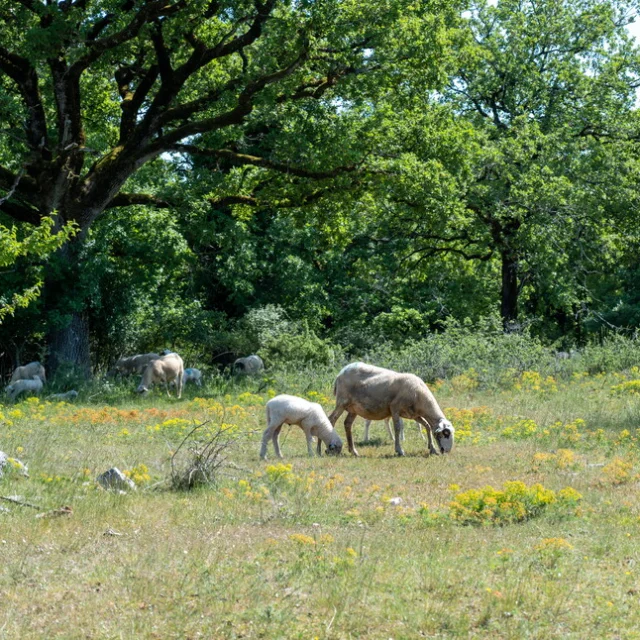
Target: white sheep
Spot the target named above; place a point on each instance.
(67, 396)
(134, 364)
(193, 375)
(164, 369)
(375, 393)
(387, 423)
(20, 386)
(27, 372)
(249, 365)
(309, 416)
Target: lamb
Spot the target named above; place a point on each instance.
(367, 424)
(164, 369)
(375, 393)
(67, 396)
(249, 365)
(20, 386)
(193, 375)
(311, 418)
(134, 364)
(27, 372)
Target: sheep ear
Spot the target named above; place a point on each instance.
(446, 433)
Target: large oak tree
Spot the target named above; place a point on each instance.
(94, 90)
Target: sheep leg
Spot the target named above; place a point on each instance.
(335, 415)
(420, 431)
(399, 432)
(310, 444)
(266, 436)
(276, 444)
(319, 447)
(367, 424)
(180, 383)
(387, 423)
(427, 426)
(348, 423)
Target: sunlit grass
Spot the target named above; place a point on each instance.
(528, 529)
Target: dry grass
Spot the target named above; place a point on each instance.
(317, 549)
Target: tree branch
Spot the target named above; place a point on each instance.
(243, 159)
(129, 199)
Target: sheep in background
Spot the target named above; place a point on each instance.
(375, 393)
(67, 396)
(309, 416)
(367, 424)
(21, 386)
(134, 364)
(249, 365)
(193, 375)
(165, 370)
(27, 372)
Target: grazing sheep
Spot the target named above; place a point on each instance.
(249, 365)
(193, 375)
(164, 369)
(134, 364)
(65, 397)
(309, 416)
(375, 393)
(27, 372)
(20, 386)
(367, 424)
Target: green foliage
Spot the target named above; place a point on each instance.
(24, 246)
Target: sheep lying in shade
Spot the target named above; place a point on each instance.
(193, 375)
(387, 423)
(309, 416)
(27, 372)
(22, 386)
(249, 365)
(134, 364)
(165, 369)
(375, 393)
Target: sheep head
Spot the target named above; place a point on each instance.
(444, 435)
(334, 447)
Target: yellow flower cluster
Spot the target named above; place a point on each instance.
(554, 544)
(515, 502)
(563, 459)
(626, 388)
(465, 382)
(618, 471)
(250, 399)
(139, 474)
(532, 381)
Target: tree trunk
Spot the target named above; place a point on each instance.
(65, 301)
(69, 346)
(509, 292)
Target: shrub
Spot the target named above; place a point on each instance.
(515, 502)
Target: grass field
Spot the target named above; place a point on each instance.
(528, 529)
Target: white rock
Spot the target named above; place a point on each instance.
(116, 480)
(395, 502)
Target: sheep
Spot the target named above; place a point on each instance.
(164, 369)
(375, 393)
(27, 372)
(134, 364)
(367, 424)
(193, 375)
(14, 389)
(249, 365)
(309, 416)
(64, 397)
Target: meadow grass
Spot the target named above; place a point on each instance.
(305, 548)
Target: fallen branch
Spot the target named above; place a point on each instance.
(22, 503)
